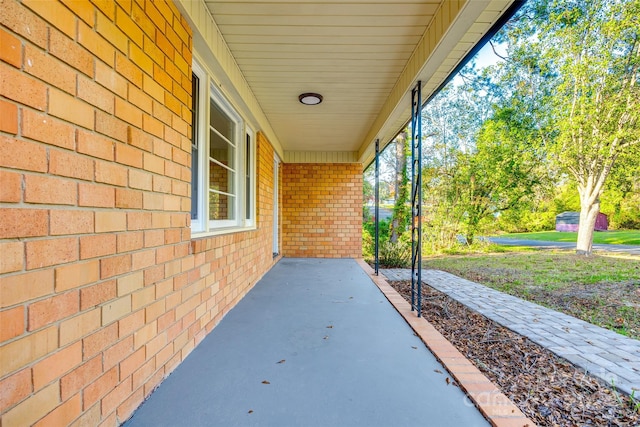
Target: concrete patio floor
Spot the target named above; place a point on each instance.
(315, 343)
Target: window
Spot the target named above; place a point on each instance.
(223, 161)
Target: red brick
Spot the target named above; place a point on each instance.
(66, 107)
(56, 365)
(55, 13)
(71, 165)
(100, 387)
(22, 351)
(140, 17)
(110, 221)
(83, 10)
(20, 288)
(96, 195)
(22, 88)
(140, 179)
(173, 37)
(131, 241)
(124, 5)
(8, 117)
(99, 340)
(111, 80)
(69, 52)
(44, 253)
(97, 245)
(97, 294)
(117, 352)
(71, 222)
(96, 44)
(63, 414)
(138, 220)
(128, 199)
(111, 173)
(128, 112)
(128, 26)
(96, 95)
(10, 49)
(143, 259)
(76, 275)
(47, 129)
(107, 7)
(32, 409)
(23, 223)
(95, 145)
(12, 257)
(13, 323)
(50, 190)
(132, 362)
(110, 32)
(84, 374)
(111, 126)
(129, 70)
(114, 266)
(128, 155)
(48, 68)
(51, 310)
(118, 395)
(126, 409)
(24, 22)
(15, 388)
(153, 238)
(155, 15)
(11, 188)
(131, 323)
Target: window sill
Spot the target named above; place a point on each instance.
(196, 235)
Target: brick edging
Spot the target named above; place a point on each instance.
(485, 395)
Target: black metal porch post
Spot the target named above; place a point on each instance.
(416, 198)
(377, 205)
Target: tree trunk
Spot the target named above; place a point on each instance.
(589, 209)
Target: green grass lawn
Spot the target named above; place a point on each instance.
(617, 237)
(603, 290)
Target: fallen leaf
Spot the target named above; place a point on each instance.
(265, 382)
(282, 361)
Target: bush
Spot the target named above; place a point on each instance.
(395, 255)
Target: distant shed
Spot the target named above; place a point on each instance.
(569, 221)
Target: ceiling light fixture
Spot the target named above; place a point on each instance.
(310, 98)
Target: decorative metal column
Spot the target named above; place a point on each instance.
(377, 206)
(416, 198)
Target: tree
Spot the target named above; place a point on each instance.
(401, 214)
(595, 48)
(503, 169)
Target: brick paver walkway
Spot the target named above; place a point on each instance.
(607, 355)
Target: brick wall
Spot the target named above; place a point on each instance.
(102, 290)
(322, 210)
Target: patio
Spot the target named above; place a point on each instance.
(315, 343)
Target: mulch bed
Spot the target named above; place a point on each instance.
(548, 389)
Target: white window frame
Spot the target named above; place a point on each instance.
(250, 174)
(244, 216)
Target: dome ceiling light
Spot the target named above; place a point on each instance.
(310, 98)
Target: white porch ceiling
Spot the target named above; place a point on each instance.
(363, 56)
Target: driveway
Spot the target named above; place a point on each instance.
(627, 249)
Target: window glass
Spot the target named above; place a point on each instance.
(222, 163)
